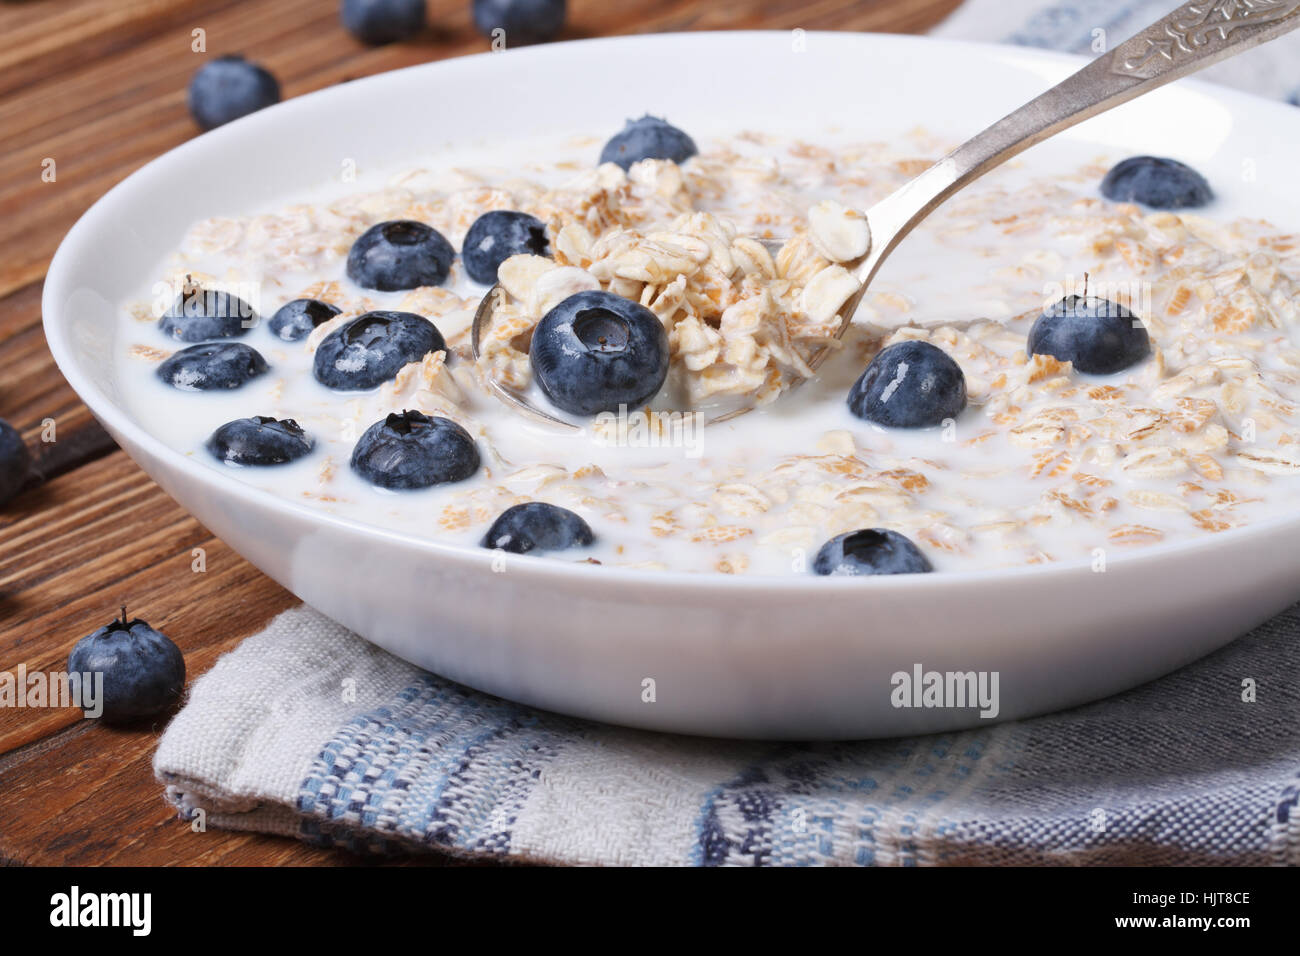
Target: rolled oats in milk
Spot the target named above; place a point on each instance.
(741, 255)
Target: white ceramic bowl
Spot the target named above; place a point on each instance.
(802, 657)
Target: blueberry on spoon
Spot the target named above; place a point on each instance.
(910, 384)
(199, 315)
(413, 450)
(596, 351)
(212, 365)
(1098, 336)
(401, 254)
(537, 526)
(260, 440)
(498, 235)
(870, 551)
(143, 671)
(15, 461)
(372, 348)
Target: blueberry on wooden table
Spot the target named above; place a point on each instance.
(498, 235)
(382, 21)
(212, 365)
(870, 551)
(1098, 336)
(15, 462)
(260, 440)
(200, 315)
(143, 671)
(597, 351)
(522, 22)
(648, 138)
(399, 254)
(537, 526)
(227, 88)
(910, 384)
(296, 319)
(410, 450)
(372, 348)
(1156, 182)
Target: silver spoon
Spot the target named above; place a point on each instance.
(1192, 37)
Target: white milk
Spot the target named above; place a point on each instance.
(937, 273)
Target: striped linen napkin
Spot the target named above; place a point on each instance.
(307, 730)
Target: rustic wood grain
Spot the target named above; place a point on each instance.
(99, 87)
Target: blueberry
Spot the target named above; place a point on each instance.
(648, 138)
(200, 315)
(260, 440)
(295, 320)
(909, 384)
(400, 254)
(537, 526)
(212, 365)
(498, 235)
(373, 347)
(414, 450)
(15, 461)
(870, 551)
(143, 671)
(382, 21)
(523, 21)
(1155, 182)
(229, 87)
(596, 351)
(1100, 337)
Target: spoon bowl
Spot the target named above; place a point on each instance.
(519, 402)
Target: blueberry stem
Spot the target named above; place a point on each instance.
(124, 614)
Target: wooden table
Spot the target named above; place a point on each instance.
(98, 86)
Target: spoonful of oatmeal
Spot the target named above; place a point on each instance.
(599, 326)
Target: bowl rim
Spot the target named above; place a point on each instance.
(59, 283)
